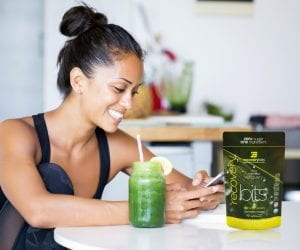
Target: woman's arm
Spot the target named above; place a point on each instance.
(185, 196)
(23, 186)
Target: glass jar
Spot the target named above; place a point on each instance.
(176, 84)
(147, 195)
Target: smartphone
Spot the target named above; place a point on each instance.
(216, 180)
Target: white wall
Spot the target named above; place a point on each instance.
(21, 47)
(249, 63)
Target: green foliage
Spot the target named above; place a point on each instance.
(214, 109)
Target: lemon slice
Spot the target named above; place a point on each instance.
(165, 164)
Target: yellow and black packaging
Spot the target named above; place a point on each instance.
(253, 167)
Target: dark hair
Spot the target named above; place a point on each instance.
(93, 42)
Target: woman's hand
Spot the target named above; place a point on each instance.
(210, 201)
(201, 178)
(183, 202)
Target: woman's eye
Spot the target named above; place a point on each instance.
(135, 92)
(119, 90)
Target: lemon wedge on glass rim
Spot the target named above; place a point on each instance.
(165, 164)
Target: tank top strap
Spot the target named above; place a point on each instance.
(104, 160)
(42, 132)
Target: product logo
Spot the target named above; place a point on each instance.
(232, 167)
(253, 154)
(239, 192)
(253, 194)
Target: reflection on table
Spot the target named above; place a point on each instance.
(208, 231)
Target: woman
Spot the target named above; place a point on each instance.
(54, 166)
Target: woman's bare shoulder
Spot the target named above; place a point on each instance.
(17, 125)
(18, 132)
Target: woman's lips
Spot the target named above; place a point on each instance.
(115, 114)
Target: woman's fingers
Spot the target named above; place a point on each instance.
(192, 204)
(221, 188)
(191, 213)
(200, 177)
(182, 203)
(175, 187)
(217, 196)
(185, 205)
(174, 217)
(200, 192)
(211, 201)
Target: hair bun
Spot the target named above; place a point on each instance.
(100, 19)
(79, 19)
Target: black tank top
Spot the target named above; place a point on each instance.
(57, 181)
(59, 173)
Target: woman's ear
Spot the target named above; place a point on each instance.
(76, 80)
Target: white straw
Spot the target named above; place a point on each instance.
(138, 138)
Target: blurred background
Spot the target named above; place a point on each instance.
(243, 61)
(248, 63)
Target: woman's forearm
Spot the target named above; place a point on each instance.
(64, 210)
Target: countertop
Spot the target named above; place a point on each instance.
(180, 128)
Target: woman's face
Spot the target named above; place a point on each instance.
(110, 91)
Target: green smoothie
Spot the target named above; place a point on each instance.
(147, 193)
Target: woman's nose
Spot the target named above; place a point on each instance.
(126, 102)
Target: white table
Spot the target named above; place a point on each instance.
(208, 232)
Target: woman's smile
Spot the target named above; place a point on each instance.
(116, 115)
